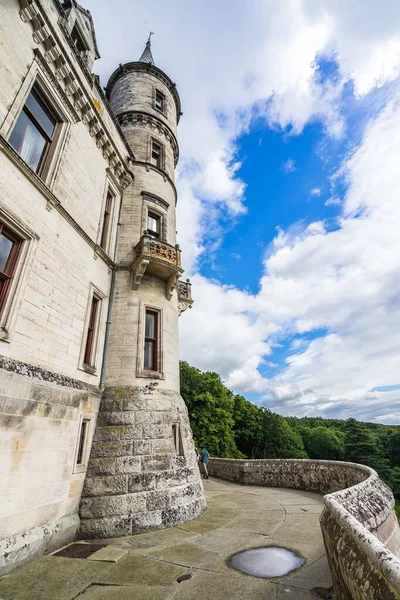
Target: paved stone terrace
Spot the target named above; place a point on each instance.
(147, 566)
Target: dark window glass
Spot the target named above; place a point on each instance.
(88, 356)
(160, 101)
(153, 225)
(78, 40)
(156, 155)
(82, 442)
(33, 132)
(10, 246)
(151, 341)
(106, 221)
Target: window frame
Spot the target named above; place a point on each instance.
(107, 221)
(140, 370)
(177, 437)
(159, 94)
(159, 164)
(25, 239)
(97, 331)
(153, 340)
(158, 218)
(81, 466)
(11, 264)
(50, 107)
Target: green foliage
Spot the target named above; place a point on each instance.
(278, 439)
(393, 448)
(230, 426)
(324, 443)
(210, 406)
(247, 427)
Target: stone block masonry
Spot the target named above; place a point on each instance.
(136, 478)
(40, 414)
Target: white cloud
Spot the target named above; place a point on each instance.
(315, 191)
(260, 59)
(289, 166)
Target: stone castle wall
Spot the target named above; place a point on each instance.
(359, 526)
(45, 391)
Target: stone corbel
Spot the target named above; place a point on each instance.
(182, 306)
(171, 285)
(138, 270)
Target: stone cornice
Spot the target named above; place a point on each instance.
(149, 166)
(156, 199)
(22, 368)
(55, 55)
(144, 119)
(149, 68)
(52, 200)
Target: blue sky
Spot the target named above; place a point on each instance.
(288, 183)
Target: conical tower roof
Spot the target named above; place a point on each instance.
(147, 56)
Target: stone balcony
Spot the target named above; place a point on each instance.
(185, 299)
(155, 257)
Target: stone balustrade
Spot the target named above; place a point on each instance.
(360, 529)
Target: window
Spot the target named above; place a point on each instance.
(34, 132)
(10, 246)
(83, 435)
(177, 435)
(88, 358)
(153, 225)
(160, 101)
(151, 341)
(83, 444)
(78, 41)
(105, 232)
(156, 155)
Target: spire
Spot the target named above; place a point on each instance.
(147, 56)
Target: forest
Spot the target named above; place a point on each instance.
(230, 426)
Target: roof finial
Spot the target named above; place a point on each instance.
(147, 56)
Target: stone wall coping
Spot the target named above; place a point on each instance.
(381, 557)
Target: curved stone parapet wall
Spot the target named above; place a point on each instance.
(359, 526)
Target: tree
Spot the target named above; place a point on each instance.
(247, 427)
(393, 448)
(359, 443)
(279, 440)
(210, 405)
(324, 443)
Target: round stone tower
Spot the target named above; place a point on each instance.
(143, 471)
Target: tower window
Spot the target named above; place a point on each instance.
(10, 246)
(153, 224)
(34, 131)
(156, 154)
(105, 232)
(159, 101)
(88, 358)
(78, 41)
(151, 341)
(177, 435)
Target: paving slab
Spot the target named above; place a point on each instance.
(148, 565)
(51, 578)
(139, 592)
(108, 554)
(215, 586)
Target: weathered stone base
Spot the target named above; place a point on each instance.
(137, 479)
(23, 547)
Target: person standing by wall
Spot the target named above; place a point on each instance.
(204, 456)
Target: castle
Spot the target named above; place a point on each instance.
(95, 439)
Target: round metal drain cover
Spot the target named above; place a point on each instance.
(271, 561)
